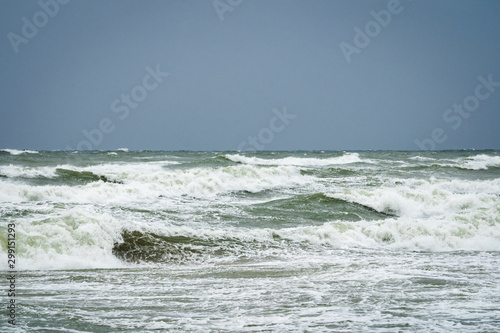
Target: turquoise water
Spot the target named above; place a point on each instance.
(253, 242)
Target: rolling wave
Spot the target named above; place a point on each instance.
(80, 238)
(145, 182)
(138, 208)
(479, 162)
(49, 175)
(314, 208)
(424, 199)
(347, 158)
(18, 152)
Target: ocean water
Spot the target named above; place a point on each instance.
(307, 241)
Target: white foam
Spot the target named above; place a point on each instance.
(421, 158)
(147, 181)
(347, 158)
(432, 214)
(14, 171)
(79, 238)
(421, 198)
(83, 237)
(123, 149)
(113, 171)
(19, 152)
(479, 162)
(471, 233)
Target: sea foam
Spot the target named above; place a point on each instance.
(19, 152)
(347, 158)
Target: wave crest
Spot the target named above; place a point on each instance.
(347, 158)
(19, 152)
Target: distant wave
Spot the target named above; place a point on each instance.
(322, 201)
(347, 158)
(421, 158)
(147, 181)
(81, 176)
(19, 152)
(479, 162)
(64, 174)
(424, 199)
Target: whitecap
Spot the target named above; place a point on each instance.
(19, 152)
(297, 161)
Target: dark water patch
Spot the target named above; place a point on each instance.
(317, 199)
(448, 172)
(329, 172)
(218, 161)
(16, 212)
(450, 167)
(433, 167)
(139, 246)
(430, 281)
(149, 247)
(71, 176)
(314, 209)
(263, 194)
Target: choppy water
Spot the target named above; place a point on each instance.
(253, 242)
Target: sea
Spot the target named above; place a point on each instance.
(227, 241)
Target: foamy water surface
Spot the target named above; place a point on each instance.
(251, 242)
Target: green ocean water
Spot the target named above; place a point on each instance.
(304, 241)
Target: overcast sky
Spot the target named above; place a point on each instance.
(246, 74)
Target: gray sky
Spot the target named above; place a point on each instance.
(345, 80)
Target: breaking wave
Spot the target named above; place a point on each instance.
(211, 208)
(347, 158)
(130, 183)
(479, 162)
(19, 152)
(78, 240)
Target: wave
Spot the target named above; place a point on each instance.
(479, 162)
(184, 243)
(347, 158)
(137, 246)
(314, 208)
(72, 176)
(147, 182)
(207, 208)
(329, 172)
(51, 175)
(82, 238)
(19, 152)
(77, 239)
(15, 171)
(422, 158)
(433, 198)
